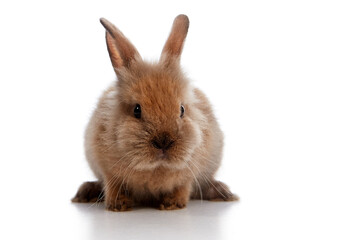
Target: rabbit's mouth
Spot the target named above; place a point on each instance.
(160, 158)
(163, 155)
(165, 162)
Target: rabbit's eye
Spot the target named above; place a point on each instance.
(182, 109)
(137, 111)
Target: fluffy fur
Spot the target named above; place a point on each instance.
(120, 147)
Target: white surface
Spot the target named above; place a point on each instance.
(283, 77)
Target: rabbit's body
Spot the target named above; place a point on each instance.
(153, 138)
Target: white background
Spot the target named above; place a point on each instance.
(283, 77)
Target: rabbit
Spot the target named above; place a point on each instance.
(153, 139)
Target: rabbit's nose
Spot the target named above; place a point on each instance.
(162, 141)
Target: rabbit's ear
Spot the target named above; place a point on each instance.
(121, 51)
(175, 42)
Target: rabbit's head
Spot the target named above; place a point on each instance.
(157, 119)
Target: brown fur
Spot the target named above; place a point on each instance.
(89, 192)
(119, 147)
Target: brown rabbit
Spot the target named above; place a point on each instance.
(153, 138)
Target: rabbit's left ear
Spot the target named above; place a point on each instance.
(175, 42)
(121, 51)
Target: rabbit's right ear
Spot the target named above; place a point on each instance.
(121, 51)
